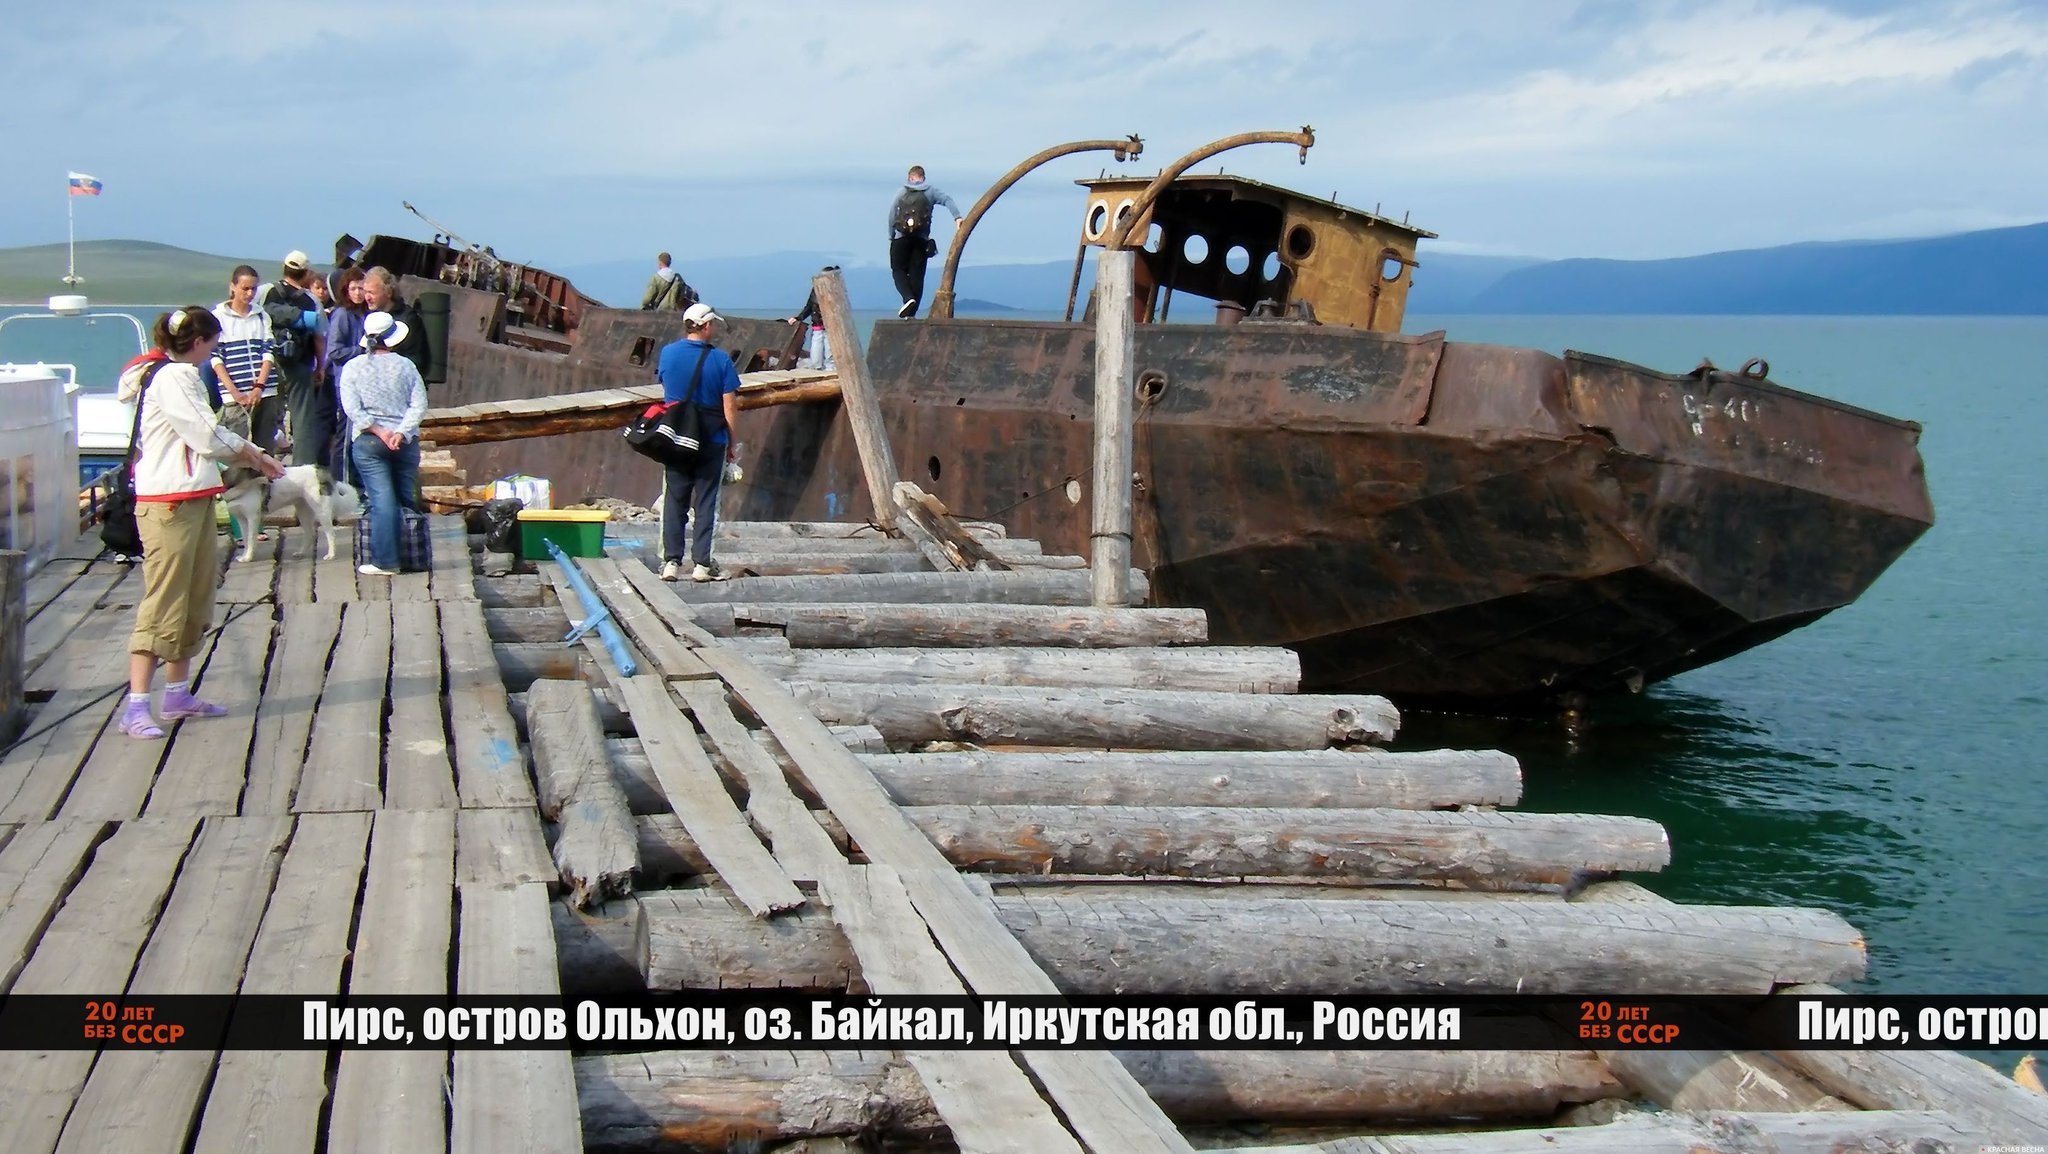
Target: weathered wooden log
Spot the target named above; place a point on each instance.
(985, 530)
(1227, 944)
(1121, 718)
(602, 950)
(1322, 778)
(522, 664)
(1478, 848)
(527, 626)
(13, 642)
(521, 590)
(636, 1101)
(1715, 1132)
(643, 792)
(1211, 668)
(1016, 587)
(669, 855)
(596, 848)
(752, 564)
(1705, 1079)
(830, 626)
(2000, 1109)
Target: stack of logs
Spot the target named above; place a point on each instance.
(1150, 815)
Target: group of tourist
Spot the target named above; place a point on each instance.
(332, 371)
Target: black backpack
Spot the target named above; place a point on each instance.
(911, 215)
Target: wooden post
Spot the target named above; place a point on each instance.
(1115, 353)
(13, 640)
(857, 393)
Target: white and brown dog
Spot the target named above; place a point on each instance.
(321, 501)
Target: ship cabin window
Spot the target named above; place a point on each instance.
(1155, 237)
(1300, 241)
(1391, 267)
(1215, 244)
(642, 349)
(1098, 220)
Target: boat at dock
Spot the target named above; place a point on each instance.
(1441, 521)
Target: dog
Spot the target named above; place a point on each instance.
(321, 501)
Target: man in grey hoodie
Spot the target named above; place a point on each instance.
(910, 236)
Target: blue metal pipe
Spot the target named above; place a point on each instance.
(594, 613)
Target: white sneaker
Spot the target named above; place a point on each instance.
(706, 573)
(368, 570)
(909, 308)
(671, 570)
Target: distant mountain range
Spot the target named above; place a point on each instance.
(1991, 272)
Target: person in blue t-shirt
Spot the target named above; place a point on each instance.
(694, 371)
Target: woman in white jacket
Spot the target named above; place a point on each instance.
(177, 475)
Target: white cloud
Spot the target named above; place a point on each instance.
(1508, 126)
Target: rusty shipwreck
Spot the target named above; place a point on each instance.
(1442, 521)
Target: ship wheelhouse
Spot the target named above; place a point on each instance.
(1256, 249)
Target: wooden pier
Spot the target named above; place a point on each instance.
(842, 776)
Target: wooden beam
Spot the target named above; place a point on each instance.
(699, 798)
(843, 626)
(1209, 668)
(863, 408)
(1016, 587)
(1224, 943)
(1127, 718)
(634, 1101)
(1116, 353)
(595, 850)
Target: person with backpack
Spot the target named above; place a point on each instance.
(693, 371)
(176, 465)
(296, 330)
(667, 289)
(910, 236)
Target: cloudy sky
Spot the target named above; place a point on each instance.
(564, 133)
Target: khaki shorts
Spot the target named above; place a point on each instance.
(180, 569)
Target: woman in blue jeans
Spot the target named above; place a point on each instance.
(384, 398)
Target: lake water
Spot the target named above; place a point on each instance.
(1885, 763)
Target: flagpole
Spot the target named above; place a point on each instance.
(70, 237)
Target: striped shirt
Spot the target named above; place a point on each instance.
(244, 346)
(383, 389)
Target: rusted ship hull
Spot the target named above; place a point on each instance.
(1439, 521)
(1435, 520)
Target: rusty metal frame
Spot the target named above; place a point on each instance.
(1120, 231)
(1128, 148)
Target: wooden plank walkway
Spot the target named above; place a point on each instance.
(330, 835)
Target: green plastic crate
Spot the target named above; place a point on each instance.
(579, 532)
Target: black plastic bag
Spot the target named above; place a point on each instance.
(501, 524)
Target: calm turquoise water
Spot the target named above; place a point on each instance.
(1885, 763)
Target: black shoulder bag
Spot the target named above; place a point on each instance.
(673, 432)
(118, 530)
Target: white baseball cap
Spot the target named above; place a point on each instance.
(700, 314)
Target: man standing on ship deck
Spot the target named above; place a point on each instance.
(693, 371)
(667, 289)
(910, 236)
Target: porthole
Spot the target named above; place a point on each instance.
(1123, 212)
(1300, 241)
(1271, 269)
(1151, 386)
(1391, 269)
(1155, 237)
(932, 466)
(1196, 248)
(1073, 490)
(1098, 220)
(1237, 260)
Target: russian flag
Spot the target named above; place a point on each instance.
(83, 185)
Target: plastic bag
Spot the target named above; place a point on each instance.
(501, 525)
(534, 492)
